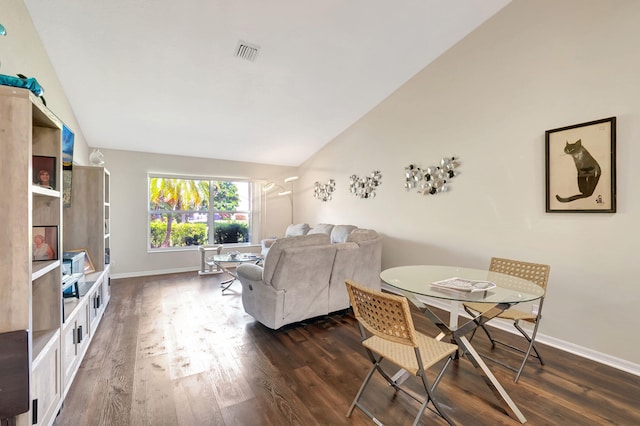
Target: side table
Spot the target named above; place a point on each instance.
(207, 268)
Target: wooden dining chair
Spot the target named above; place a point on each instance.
(387, 332)
(534, 272)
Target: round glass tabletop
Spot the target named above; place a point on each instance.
(418, 279)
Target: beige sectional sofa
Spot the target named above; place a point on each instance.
(303, 275)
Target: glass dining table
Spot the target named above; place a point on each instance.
(415, 283)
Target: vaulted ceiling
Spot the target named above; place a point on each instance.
(163, 76)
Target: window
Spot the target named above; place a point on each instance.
(187, 212)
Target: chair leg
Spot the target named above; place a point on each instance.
(359, 394)
(486, 331)
(532, 345)
(429, 397)
(473, 315)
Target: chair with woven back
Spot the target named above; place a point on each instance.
(388, 332)
(534, 272)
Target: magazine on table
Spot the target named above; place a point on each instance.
(463, 284)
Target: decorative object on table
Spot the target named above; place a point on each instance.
(581, 167)
(45, 243)
(323, 191)
(283, 191)
(24, 82)
(67, 165)
(432, 179)
(365, 187)
(464, 284)
(88, 264)
(44, 171)
(96, 157)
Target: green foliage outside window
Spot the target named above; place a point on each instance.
(195, 234)
(231, 232)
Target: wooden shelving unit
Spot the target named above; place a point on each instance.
(31, 291)
(89, 214)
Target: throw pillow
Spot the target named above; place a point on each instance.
(321, 228)
(340, 232)
(297, 229)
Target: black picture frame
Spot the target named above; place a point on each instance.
(580, 168)
(40, 249)
(42, 164)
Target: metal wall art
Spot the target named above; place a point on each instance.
(431, 180)
(365, 187)
(323, 191)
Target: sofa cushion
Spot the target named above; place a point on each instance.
(339, 233)
(297, 229)
(321, 228)
(360, 235)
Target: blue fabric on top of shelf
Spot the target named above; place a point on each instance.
(26, 83)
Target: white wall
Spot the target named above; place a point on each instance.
(129, 192)
(536, 65)
(21, 51)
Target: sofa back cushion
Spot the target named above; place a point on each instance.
(339, 233)
(321, 228)
(272, 258)
(361, 235)
(297, 229)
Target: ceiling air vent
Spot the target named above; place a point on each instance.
(247, 51)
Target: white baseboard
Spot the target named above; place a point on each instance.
(581, 351)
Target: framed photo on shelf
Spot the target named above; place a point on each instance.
(88, 264)
(580, 166)
(44, 171)
(45, 243)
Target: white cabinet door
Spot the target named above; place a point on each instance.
(45, 384)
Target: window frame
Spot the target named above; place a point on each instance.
(253, 187)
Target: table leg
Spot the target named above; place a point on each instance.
(490, 379)
(453, 314)
(226, 283)
(465, 346)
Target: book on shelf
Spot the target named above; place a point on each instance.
(463, 284)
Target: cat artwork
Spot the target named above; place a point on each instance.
(588, 171)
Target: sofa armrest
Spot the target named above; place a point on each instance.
(249, 271)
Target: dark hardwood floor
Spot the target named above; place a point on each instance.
(172, 350)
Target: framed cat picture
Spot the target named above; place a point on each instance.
(581, 168)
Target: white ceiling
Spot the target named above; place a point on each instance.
(161, 75)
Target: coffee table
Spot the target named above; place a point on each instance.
(226, 261)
